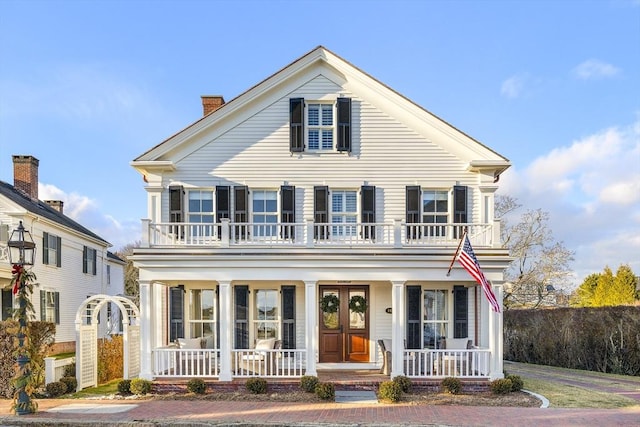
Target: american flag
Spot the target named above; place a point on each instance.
(469, 261)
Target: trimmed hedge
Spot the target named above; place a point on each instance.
(602, 339)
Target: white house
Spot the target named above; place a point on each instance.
(71, 262)
(308, 222)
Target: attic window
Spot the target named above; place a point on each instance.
(319, 126)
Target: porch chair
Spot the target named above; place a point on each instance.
(261, 362)
(455, 363)
(386, 348)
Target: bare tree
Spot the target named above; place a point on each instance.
(131, 285)
(540, 267)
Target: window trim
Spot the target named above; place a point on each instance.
(341, 127)
(88, 252)
(47, 239)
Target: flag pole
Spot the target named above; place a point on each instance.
(464, 233)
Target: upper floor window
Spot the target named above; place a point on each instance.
(435, 206)
(51, 250)
(344, 210)
(201, 206)
(89, 259)
(265, 212)
(320, 126)
(108, 275)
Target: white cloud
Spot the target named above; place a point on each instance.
(591, 189)
(594, 69)
(513, 86)
(86, 212)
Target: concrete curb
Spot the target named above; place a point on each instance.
(544, 400)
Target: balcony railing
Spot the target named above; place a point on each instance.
(313, 235)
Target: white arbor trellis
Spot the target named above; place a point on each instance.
(87, 321)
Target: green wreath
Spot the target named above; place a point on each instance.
(358, 304)
(329, 303)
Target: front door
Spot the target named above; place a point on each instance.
(344, 323)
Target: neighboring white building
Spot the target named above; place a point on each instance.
(71, 262)
(318, 185)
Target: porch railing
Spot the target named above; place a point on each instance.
(310, 235)
(472, 363)
(176, 362)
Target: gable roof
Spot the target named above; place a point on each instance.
(159, 157)
(41, 209)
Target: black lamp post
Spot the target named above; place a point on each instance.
(22, 253)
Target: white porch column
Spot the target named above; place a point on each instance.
(311, 304)
(226, 329)
(397, 328)
(496, 337)
(157, 319)
(146, 367)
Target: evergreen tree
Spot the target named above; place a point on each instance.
(583, 296)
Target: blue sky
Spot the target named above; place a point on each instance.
(87, 86)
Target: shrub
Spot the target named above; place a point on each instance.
(41, 336)
(256, 385)
(70, 370)
(110, 358)
(404, 383)
(197, 386)
(8, 330)
(308, 383)
(390, 391)
(451, 385)
(140, 386)
(516, 381)
(56, 389)
(124, 387)
(70, 382)
(325, 391)
(502, 386)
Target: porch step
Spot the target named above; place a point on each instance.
(356, 396)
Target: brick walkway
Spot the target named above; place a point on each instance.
(184, 412)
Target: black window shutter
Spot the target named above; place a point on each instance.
(459, 208)
(176, 310)
(296, 125)
(240, 213)
(43, 305)
(59, 251)
(414, 333)
(289, 317)
(368, 210)
(344, 124)
(223, 208)
(84, 259)
(460, 312)
(175, 204)
(45, 248)
(95, 262)
(413, 211)
(56, 301)
(242, 316)
(321, 211)
(288, 211)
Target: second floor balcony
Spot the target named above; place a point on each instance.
(397, 234)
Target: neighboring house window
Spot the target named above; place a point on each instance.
(344, 211)
(266, 318)
(201, 211)
(265, 213)
(320, 126)
(50, 306)
(89, 259)
(51, 250)
(109, 275)
(202, 316)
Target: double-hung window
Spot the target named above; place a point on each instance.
(50, 306)
(201, 212)
(435, 210)
(435, 312)
(344, 212)
(202, 316)
(266, 316)
(51, 250)
(89, 260)
(265, 213)
(320, 126)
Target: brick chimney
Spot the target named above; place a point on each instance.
(25, 175)
(55, 204)
(211, 103)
